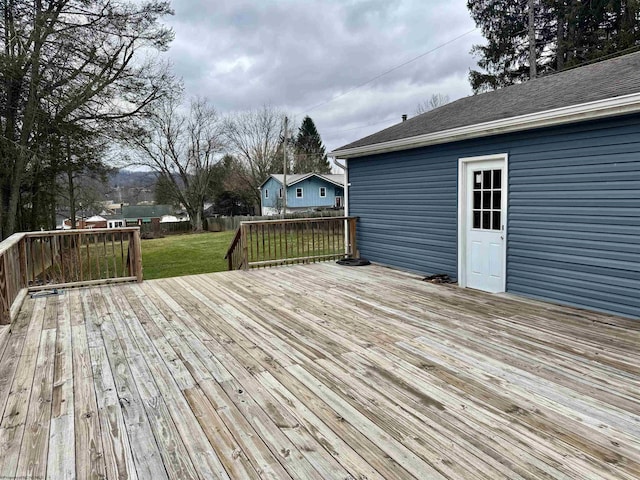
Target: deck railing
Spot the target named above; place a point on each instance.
(34, 261)
(302, 240)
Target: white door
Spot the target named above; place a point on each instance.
(484, 219)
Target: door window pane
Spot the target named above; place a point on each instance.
(486, 200)
(497, 179)
(486, 179)
(486, 220)
(476, 219)
(477, 196)
(477, 180)
(497, 197)
(497, 224)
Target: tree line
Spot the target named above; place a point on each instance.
(82, 86)
(72, 74)
(562, 34)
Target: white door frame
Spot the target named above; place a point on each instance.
(463, 164)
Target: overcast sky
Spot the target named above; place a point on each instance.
(296, 54)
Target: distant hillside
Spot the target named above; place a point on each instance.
(132, 187)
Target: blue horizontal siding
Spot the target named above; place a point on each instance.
(573, 221)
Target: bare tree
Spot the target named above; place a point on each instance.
(436, 100)
(182, 148)
(254, 137)
(70, 64)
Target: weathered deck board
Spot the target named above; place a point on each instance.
(316, 371)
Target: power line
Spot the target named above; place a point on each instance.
(340, 130)
(393, 69)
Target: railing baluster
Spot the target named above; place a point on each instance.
(124, 266)
(42, 262)
(98, 254)
(257, 244)
(113, 255)
(269, 257)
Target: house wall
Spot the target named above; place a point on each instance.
(311, 194)
(269, 204)
(310, 190)
(573, 220)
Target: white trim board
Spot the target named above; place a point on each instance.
(463, 164)
(609, 107)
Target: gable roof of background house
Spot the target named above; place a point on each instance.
(616, 77)
(298, 177)
(146, 211)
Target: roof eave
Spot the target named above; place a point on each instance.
(304, 177)
(318, 175)
(609, 107)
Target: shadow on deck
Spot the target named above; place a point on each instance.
(316, 371)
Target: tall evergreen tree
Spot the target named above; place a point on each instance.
(567, 33)
(309, 152)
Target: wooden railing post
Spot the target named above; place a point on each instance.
(22, 253)
(5, 294)
(352, 238)
(245, 246)
(137, 255)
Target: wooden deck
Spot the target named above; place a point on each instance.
(316, 371)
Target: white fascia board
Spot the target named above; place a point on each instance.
(609, 107)
(328, 180)
(308, 175)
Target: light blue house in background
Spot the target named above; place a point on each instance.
(305, 192)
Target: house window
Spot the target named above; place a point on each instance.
(280, 193)
(266, 193)
(323, 192)
(298, 193)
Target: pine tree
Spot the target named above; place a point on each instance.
(309, 152)
(568, 33)
(505, 57)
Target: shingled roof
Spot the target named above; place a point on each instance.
(292, 179)
(603, 80)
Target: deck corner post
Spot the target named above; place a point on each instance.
(137, 253)
(353, 251)
(22, 255)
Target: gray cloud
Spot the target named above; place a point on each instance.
(297, 54)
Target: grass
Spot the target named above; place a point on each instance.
(178, 255)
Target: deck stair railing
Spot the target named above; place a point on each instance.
(270, 243)
(32, 261)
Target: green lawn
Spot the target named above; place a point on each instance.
(191, 254)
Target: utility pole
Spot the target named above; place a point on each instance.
(284, 178)
(532, 40)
